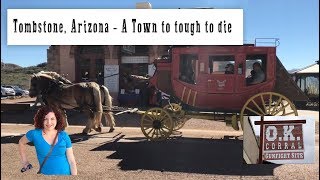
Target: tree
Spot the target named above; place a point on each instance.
(42, 64)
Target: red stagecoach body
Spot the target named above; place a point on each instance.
(210, 88)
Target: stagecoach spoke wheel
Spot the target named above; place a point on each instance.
(268, 104)
(178, 115)
(156, 124)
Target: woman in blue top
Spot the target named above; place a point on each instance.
(48, 121)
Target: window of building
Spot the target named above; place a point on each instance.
(309, 84)
(129, 84)
(187, 68)
(134, 50)
(221, 65)
(100, 71)
(91, 49)
(84, 69)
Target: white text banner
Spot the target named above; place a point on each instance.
(125, 27)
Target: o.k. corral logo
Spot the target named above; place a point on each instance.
(281, 140)
(221, 84)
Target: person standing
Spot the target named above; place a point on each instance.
(53, 145)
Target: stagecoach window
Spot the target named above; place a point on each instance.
(187, 70)
(255, 76)
(221, 65)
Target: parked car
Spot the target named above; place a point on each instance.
(7, 91)
(18, 91)
(3, 92)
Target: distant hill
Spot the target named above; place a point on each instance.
(12, 74)
(9, 66)
(292, 70)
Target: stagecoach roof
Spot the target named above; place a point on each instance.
(313, 68)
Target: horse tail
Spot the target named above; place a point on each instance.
(107, 100)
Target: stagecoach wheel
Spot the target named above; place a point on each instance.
(173, 107)
(177, 115)
(268, 104)
(179, 123)
(156, 124)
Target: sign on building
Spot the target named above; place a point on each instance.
(129, 49)
(134, 59)
(111, 80)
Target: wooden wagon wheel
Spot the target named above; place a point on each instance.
(156, 124)
(177, 115)
(268, 104)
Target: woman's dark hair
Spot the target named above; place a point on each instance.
(43, 111)
(257, 64)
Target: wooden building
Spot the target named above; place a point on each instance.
(308, 80)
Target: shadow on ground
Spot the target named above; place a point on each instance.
(177, 154)
(12, 139)
(75, 138)
(189, 155)
(74, 118)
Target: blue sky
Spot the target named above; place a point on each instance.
(294, 22)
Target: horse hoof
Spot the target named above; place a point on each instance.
(98, 129)
(86, 132)
(111, 130)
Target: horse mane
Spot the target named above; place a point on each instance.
(41, 74)
(54, 76)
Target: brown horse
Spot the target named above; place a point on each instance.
(105, 97)
(88, 97)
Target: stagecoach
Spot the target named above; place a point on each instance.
(194, 77)
(195, 83)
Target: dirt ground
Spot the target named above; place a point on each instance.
(125, 154)
(18, 99)
(203, 149)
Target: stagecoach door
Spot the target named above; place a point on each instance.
(221, 77)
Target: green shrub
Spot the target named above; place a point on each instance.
(20, 76)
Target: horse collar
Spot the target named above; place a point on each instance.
(46, 91)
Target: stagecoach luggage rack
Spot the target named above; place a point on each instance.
(271, 42)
